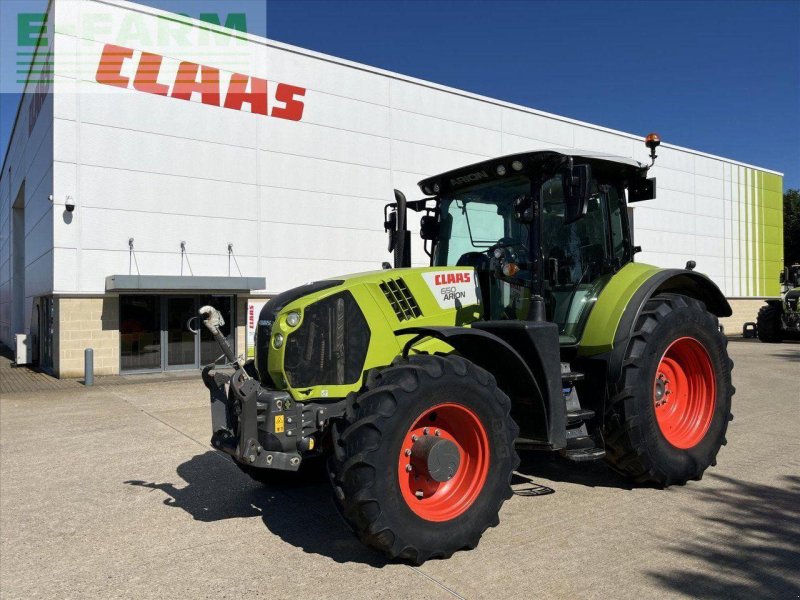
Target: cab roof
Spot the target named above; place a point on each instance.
(488, 169)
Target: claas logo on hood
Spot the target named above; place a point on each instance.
(448, 278)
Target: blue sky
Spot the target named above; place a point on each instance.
(721, 77)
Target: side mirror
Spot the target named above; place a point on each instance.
(642, 189)
(429, 227)
(390, 226)
(577, 189)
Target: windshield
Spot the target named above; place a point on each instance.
(477, 218)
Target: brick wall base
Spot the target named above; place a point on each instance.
(744, 310)
(86, 323)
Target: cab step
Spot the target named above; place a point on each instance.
(570, 377)
(579, 416)
(583, 454)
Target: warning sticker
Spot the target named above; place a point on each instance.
(453, 289)
(278, 423)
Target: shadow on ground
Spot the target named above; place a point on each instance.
(753, 549)
(302, 514)
(548, 465)
(792, 355)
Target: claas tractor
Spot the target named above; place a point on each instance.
(779, 319)
(531, 328)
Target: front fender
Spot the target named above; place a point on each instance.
(513, 374)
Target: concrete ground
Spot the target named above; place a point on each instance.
(113, 491)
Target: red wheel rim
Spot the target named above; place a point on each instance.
(441, 501)
(684, 393)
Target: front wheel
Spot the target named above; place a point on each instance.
(424, 458)
(768, 323)
(670, 412)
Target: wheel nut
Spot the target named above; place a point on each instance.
(409, 468)
(437, 432)
(408, 452)
(414, 438)
(425, 431)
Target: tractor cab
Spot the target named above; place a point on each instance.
(790, 278)
(545, 231)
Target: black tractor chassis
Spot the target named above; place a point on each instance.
(262, 427)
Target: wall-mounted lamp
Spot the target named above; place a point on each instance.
(69, 204)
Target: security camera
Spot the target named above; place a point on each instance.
(69, 204)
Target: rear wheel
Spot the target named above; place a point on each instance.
(768, 323)
(424, 458)
(670, 413)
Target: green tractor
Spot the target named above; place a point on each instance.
(780, 318)
(531, 328)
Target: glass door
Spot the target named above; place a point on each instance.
(181, 343)
(209, 348)
(155, 335)
(140, 333)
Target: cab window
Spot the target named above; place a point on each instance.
(577, 255)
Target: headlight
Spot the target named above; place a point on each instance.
(292, 319)
(277, 341)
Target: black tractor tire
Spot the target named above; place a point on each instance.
(311, 470)
(370, 443)
(637, 445)
(769, 325)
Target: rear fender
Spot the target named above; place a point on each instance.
(672, 281)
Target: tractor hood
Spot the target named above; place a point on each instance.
(343, 326)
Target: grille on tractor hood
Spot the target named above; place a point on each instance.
(270, 312)
(401, 299)
(330, 346)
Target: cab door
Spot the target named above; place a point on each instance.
(580, 257)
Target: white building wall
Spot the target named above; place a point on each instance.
(301, 200)
(26, 183)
